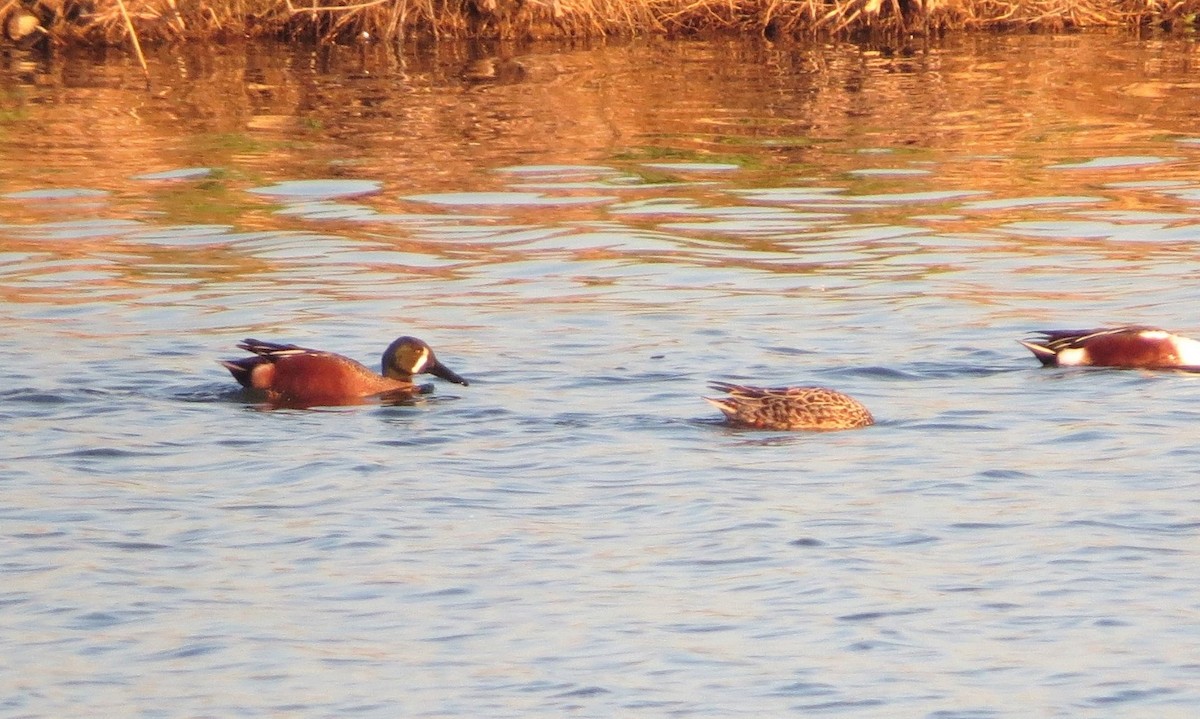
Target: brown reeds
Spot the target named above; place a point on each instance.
(128, 21)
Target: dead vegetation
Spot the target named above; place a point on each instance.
(124, 21)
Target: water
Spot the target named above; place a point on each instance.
(590, 240)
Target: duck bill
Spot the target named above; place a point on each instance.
(440, 370)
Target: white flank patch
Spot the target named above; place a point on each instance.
(261, 375)
(1073, 357)
(1188, 351)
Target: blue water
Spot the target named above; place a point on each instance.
(576, 533)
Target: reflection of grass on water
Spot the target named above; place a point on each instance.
(666, 155)
(238, 142)
(110, 21)
(12, 106)
(649, 152)
(215, 199)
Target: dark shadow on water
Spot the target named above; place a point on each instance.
(948, 426)
(35, 396)
(789, 351)
(773, 437)
(254, 399)
(929, 370)
(1135, 372)
(221, 393)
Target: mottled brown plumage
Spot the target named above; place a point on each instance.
(789, 408)
(298, 376)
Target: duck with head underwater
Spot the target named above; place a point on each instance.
(1127, 346)
(789, 408)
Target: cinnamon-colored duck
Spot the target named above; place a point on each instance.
(1131, 346)
(299, 376)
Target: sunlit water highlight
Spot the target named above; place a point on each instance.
(576, 533)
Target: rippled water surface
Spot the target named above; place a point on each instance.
(590, 236)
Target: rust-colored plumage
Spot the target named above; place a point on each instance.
(299, 376)
(789, 408)
(1130, 346)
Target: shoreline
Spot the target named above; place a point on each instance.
(125, 22)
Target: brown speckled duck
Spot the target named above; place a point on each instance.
(789, 408)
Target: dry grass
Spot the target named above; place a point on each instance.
(114, 21)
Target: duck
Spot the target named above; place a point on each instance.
(298, 376)
(789, 408)
(1128, 346)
